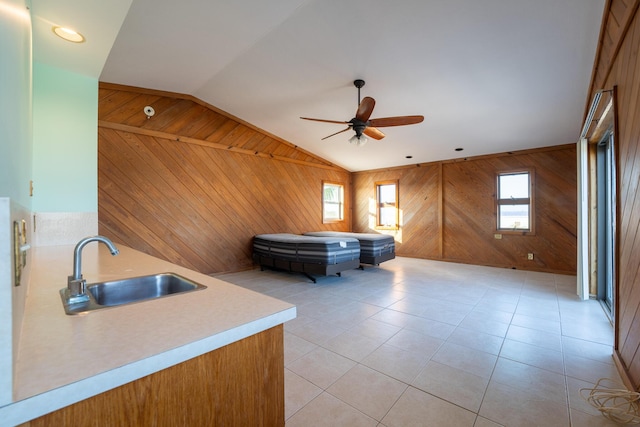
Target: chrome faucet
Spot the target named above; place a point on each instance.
(76, 285)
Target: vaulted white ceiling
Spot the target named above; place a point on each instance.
(488, 75)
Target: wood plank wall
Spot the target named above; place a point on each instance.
(618, 64)
(193, 185)
(448, 213)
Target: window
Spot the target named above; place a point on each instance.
(387, 204)
(514, 201)
(332, 202)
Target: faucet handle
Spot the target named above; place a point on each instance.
(76, 286)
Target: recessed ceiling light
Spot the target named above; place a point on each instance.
(459, 149)
(408, 157)
(68, 34)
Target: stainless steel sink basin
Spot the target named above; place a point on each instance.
(130, 290)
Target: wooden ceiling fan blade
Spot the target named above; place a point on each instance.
(373, 133)
(342, 122)
(365, 109)
(333, 134)
(396, 121)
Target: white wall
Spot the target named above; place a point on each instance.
(65, 155)
(15, 101)
(65, 140)
(15, 168)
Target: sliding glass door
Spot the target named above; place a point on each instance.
(606, 208)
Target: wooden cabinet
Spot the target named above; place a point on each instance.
(241, 384)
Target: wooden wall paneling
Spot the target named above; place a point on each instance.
(259, 199)
(206, 125)
(224, 131)
(629, 174)
(308, 213)
(469, 223)
(419, 201)
(118, 104)
(450, 214)
(152, 198)
(620, 58)
(149, 205)
(419, 198)
(440, 224)
(181, 115)
(176, 118)
(198, 202)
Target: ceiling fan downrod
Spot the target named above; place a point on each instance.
(358, 83)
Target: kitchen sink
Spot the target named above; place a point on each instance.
(130, 290)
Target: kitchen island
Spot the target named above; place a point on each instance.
(217, 351)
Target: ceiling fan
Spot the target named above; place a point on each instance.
(361, 123)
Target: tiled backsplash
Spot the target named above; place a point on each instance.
(63, 228)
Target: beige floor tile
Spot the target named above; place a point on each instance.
(400, 364)
(537, 383)
(384, 298)
(350, 314)
(516, 407)
(483, 313)
(486, 339)
(576, 400)
(375, 329)
(580, 419)
(466, 359)
(589, 349)
(476, 340)
(543, 358)
(447, 312)
(321, 366)
(315, 309)
(353, 345)
(453, 385)
(367, 390)
(551, 326)
(413, 305)
(588, 369)
(295, 347)
(299, 321)
(297, 393)
(478, 322)
(535, 310)
(535, 337)
(483, 422)
(328, 411)
(589, 331)
(317, 331)
(416, 342)
(430, 327)
(417, 408)
(393, 317)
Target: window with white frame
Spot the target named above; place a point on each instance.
(332, 202)
(387, 214)
(514, 201)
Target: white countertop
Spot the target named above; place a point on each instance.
(63, 359)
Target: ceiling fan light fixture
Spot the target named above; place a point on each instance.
(358, 140)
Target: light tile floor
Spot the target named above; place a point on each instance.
(425, 343)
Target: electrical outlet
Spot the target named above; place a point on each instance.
(497, 236)
(530, 256)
